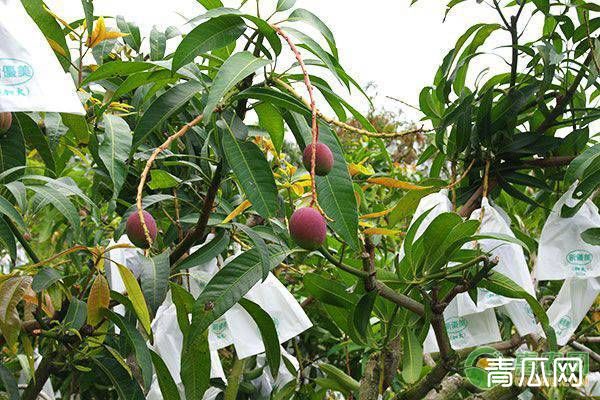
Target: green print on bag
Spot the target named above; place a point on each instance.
(219, 327)
(456, 327)
(580, 260)
(564, 324)
(14, 74)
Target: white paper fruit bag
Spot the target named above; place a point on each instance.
(31, 78)
(265, 383)
(237, 327)
(438, 203)
(570, 306)
(511, 259)
(168, 342)
(562, 253)
(466, 331)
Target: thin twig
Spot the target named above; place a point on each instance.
(313, 109)
(144, 175)
(391, 135)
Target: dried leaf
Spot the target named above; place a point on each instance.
(382, 231)
(238, 210)
(396, 184)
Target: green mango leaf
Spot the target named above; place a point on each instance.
(133, 38)
(161, 179)
(280, 99)
(591, 236)
(504, 286)
(252, 171)
(45, 278)
(124, 384)
(50, 28)
(195, 367)
(36, 139)
(7, 239)
(184, 303)
(76, 314)
(88, 10)
(60, 202)
(260, 246)
(345, 381)
(162, 108)
(213, 34)
(9, 383)
(137, 342)
(155, 279)
(284, 5)
(12, 148)
(158, 44)
(264, 27)
(117, 68)
(581, 163)
(268, 332)
(229, 285)
(138, 79)
(78, 127)
(329, 291)
(233, 70)
(210, 4)
(134, 293)
(270, 119)
(207, 252)
(300, 14)
(412, 357)
(114, 150)
(361, 316)
(168, 387)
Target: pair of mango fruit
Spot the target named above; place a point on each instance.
(307, 226)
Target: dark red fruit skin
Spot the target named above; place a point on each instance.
(5, 121)
(308, 228)
(135, 230)
(323, 159)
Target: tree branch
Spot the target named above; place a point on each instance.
(369, 265)
(42, 373)
(562, 103)
(199, 232)
(382, 289)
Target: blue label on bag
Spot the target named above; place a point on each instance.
(580, 261)
(14, 74)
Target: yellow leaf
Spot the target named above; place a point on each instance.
(238, 210)
(396, 184)
(99, 34)
(98, 300)
(382, 231)
(359, 168)
(57, 47)
(134, 293)
(377, 214)
(290, 169)
(298, 188)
